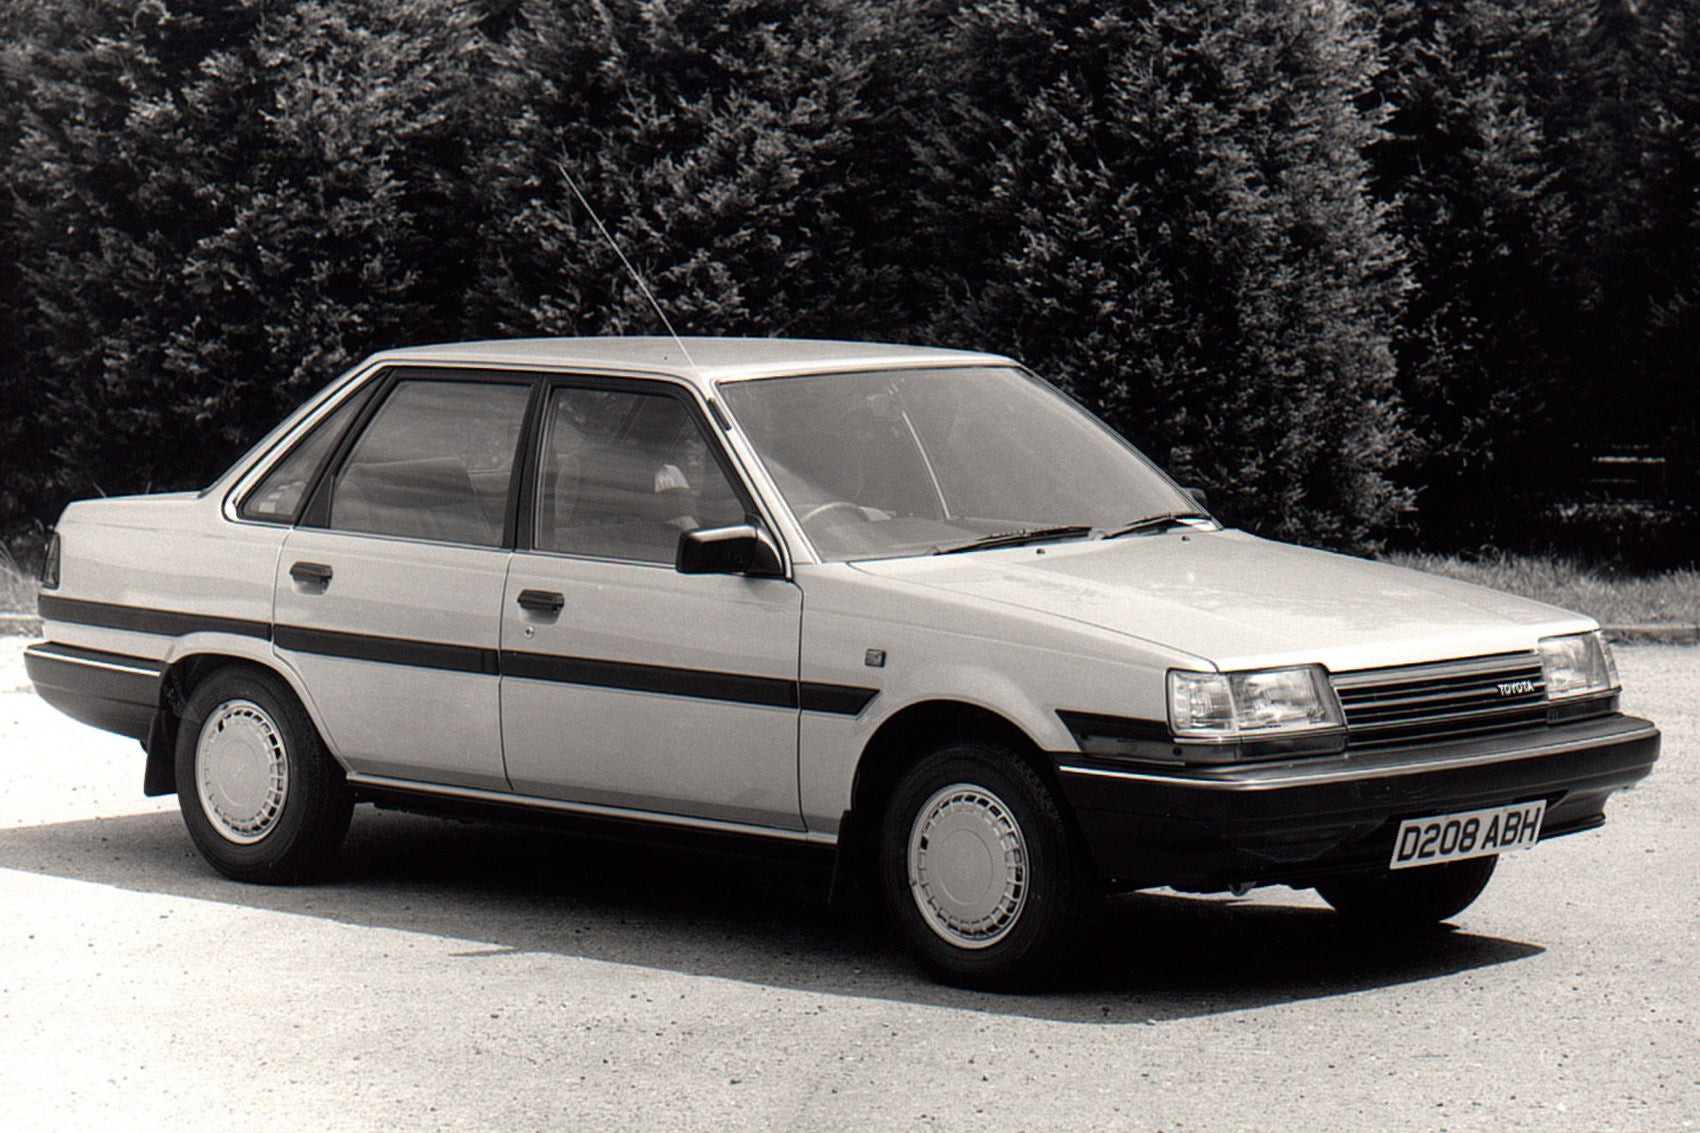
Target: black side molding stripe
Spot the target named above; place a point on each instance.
(1084, 724)
(840, 700)
(736, 688)
(739, 688)
(388, 650)
(98, 658)
(165, 623)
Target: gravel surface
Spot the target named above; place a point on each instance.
(456, 976)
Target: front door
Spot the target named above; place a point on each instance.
(625, 683)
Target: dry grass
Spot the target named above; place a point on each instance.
(1670, 598)
(17, 588)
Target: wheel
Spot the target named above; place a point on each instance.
(1411, 898)
(979, 872)
(262, 798)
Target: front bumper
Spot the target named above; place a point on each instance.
(1298, 821)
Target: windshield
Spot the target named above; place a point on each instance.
(906, 462)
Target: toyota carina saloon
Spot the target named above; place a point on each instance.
(912, 605)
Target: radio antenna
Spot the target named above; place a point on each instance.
(632, 271)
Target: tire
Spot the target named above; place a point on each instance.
(980, 873)
(261, 796)
(1410, 899)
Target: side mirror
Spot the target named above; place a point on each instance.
(741, 549)
(1198, 496)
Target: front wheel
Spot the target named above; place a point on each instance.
(979, 871)
(262, 798)
(1410, 898)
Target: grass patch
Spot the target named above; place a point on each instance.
(1612, 598)
(17, 586)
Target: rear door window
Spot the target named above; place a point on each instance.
(435, 463)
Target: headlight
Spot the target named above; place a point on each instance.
(1251, 705)
(1577, 664)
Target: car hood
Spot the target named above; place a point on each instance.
(1237, 601)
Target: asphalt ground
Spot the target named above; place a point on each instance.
(458, 976)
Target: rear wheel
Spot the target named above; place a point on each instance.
(1410, 898)
(261, 796)
(978, 870)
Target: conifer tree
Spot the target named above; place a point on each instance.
(729, 148)
(1673, 332)
(21, 466)
(221, 205)
(1487, 343)
(1632, 151)
(1174, 223)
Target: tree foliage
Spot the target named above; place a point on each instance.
(1329, 259)
(1173, 220)
(733, 150)
(218, 206)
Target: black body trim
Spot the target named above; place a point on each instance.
(737, 688)
(740, 688)
(1117, 727)
(387, 650)
(839, 700)
(1292, 823)
(110, 691)
(138, 619)
(1148, 741)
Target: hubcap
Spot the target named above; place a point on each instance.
(968, 866)
(242, 771)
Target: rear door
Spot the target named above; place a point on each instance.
(626, 683)
(388, 595)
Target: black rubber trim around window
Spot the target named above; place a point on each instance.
(137, 619)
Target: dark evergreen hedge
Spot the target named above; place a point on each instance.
(1365, 271)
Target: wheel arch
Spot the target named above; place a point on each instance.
(896, 745)
(176, 683)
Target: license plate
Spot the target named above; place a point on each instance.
(1467, 834)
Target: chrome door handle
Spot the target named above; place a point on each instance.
(542, 601)
(311, 574)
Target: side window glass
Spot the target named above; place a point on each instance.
(277, 498)
(622, 474)
(434, 463)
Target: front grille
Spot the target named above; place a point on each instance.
(1446, 700)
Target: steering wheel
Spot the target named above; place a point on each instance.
(830, 505)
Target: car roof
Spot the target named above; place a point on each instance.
(701, 360)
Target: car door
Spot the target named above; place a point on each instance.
(389, 591)
(626, 683)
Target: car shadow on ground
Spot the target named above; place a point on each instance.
(761, 920)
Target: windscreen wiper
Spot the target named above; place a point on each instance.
(1155, 523)
(1019, 538)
